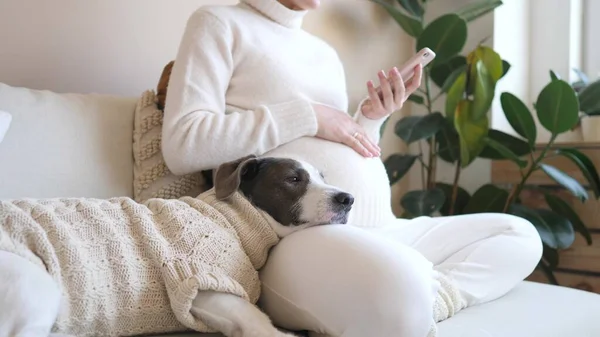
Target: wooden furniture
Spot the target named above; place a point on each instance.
(579, 266)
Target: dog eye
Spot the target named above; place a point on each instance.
(294, 179)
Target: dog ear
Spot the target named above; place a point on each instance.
(228, 176)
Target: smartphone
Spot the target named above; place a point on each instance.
(424, 57)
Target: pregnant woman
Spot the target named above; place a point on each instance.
(247, 79)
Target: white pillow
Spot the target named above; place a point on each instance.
(5, 119)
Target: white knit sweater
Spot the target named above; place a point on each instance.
(243, 81)
(128, 269)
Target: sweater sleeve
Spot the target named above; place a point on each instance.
(372, 126)
(197, 133)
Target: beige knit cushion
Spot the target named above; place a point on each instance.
(152, 178)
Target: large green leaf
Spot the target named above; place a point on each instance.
(555, 230)
(413, 7)
(410, 25)
(441, 72)
(557, 107)
(586, 165)
(418, 99)
(414, 128)
(561, 207)
(397, 165)
(419, 203)
(589, 98)
(487, 199)
(505, 67)
(448, 143)
(505, 152)
(483, 91)
(515, 145)
(492, 61)
(519, 116)
(446, 36)
(455, 95)
(566, 181)
(452, 78)
(477, 9)
(462, 199)
(471, 132)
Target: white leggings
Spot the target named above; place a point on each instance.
(353, 282)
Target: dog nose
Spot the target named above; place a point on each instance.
(345, 199)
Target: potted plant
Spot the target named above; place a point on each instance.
(461, 133)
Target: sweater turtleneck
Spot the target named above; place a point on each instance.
(277, 12)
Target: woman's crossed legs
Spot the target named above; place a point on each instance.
(351, 282)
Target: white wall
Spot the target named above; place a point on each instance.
(108, 46)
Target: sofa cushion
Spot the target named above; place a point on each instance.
(5, 119)
(529, 310)
(66, 145)
(152, 178)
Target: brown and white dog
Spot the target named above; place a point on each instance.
(292, 195)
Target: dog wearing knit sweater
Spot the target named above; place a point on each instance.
(114, 267)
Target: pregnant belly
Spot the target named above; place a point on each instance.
(364, 178)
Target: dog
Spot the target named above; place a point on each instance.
(290, 195)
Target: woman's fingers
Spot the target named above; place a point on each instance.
(415, 82)
(361, 144)
(353, 142)
(400, 90)
(386, 91)
(373, 94)
(369, 145)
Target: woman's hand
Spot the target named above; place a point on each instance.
(337, 126)
(393, 93)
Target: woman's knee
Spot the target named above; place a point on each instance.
(528, 243)
(343, 281)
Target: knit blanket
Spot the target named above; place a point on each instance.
(126, 268)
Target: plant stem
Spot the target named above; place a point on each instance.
(548, 272)
(455, 188)
(423, 165)
(534, 166)
(432, 158)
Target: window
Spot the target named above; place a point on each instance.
(591, 43)
(537, 36)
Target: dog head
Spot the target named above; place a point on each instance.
(291, 193)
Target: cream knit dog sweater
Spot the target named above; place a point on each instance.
(126, 268)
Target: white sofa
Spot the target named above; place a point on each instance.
(76, 145)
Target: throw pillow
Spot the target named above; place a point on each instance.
(152, 178)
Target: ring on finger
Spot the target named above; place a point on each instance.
(356, 135)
